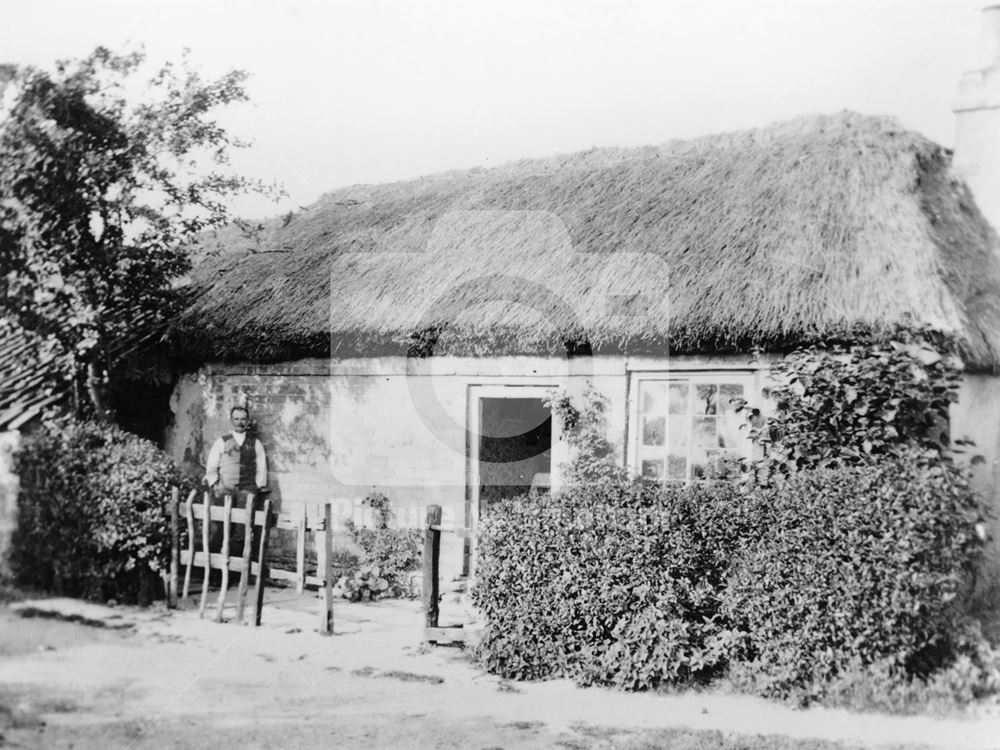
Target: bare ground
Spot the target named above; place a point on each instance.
(157, 679)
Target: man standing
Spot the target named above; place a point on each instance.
(237, 464)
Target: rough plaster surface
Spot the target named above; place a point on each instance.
(334, 430)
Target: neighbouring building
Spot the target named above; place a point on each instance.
(406, 336)
(29, 388)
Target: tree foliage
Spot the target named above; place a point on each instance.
(101, 190)
(842, 405)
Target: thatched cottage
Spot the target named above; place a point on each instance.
(406, 336)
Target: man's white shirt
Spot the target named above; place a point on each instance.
(215, 459)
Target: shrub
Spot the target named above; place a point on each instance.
(613, 582)
(791, 588)
(93, 516)
(843, 405)
(388, 553)
(861, 566)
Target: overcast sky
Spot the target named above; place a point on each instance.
(380, 90)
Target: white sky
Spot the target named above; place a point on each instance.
(379, 90)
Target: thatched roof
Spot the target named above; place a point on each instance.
(771, 237)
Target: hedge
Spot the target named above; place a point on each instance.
(93, 515)
(790, 589)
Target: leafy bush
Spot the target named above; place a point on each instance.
(389, 553)
(846, 405)
(840, 572)
(789, 588)
(609, 582)
(861, 565)
(93, 517)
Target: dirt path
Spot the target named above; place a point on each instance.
(171, 680)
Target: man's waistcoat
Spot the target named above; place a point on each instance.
(238, 467)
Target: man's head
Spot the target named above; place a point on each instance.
(239, 417)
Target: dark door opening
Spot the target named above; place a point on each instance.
(515, 447)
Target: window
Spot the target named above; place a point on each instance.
(687, 428)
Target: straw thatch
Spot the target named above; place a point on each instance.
(791, 233)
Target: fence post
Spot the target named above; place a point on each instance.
(326, 609)
(175, 549)
(300, 551)
(262, 567)
(432, 555)
(241, 591)
(207, 505)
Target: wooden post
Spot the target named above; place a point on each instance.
(227, 517)
(300, 551)
(175, 548)
(326, 605)
(207, 504)
(241, 595)
(189, 513)
(432, 554)
(261, 567)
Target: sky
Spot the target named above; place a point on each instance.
(362, 91)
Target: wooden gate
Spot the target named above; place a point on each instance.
(248, 564)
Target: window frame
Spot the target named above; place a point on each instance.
(748, 377)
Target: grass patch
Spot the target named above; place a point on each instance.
(707, 739)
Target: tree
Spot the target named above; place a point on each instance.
(101, 192)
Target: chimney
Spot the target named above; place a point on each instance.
(977, 121)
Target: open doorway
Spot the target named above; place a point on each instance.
(511, 439)
(515, 447)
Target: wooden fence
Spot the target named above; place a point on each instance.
(318, 523)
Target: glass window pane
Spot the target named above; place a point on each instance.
(654, 398)
(650, 452)
(713, 464)
(653, 430)
(678, 434)
(678, 398)
(706, 399)
(730, 396)
(731, 436)
(652, 470)
(699, 464)
(676, 467)
(705, 434)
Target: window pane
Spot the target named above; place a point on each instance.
(654, 398)
(653, 430)
(676, 467)
(678, 434)
(652, 470)
(699, 463)
(706, 399)
(730, 434)
(730, 396)
(713, 464)
(705, 435)
(678, 398)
